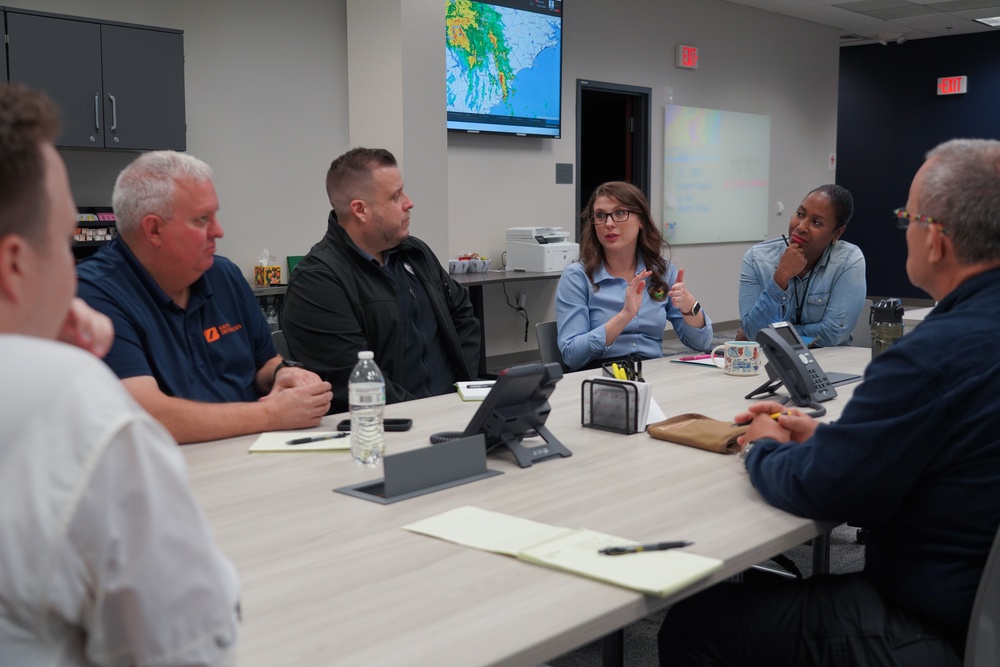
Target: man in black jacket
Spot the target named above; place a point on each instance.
(369, 285)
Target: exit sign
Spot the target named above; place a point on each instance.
(951, 85)
(687, 56)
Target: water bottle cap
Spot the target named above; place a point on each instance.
(366, 354)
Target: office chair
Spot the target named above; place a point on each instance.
(982, 644)
(278, 338)
(548, 344)
(862, 334)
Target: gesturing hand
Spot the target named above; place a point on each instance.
(679, 295)
(634, 292)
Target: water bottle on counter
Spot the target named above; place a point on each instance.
(886, 320)
(271, 315)
(366, 394)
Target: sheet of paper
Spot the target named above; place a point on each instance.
(651, 572)
(654, 414)
(486, 530)
(277, 441)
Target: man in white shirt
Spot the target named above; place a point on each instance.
(105, 557)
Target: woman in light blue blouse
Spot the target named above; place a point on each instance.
(618, 298)
(811, 278)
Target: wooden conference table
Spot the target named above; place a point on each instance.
(329, 579)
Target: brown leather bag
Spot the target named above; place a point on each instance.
(699, 431)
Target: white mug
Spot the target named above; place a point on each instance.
(739, 357)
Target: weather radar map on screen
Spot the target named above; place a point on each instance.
(504, 66)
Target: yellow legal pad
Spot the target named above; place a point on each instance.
(571, 550)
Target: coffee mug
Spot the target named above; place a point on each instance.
(739, 357)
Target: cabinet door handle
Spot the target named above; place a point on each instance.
(97, 112)
(114, 112)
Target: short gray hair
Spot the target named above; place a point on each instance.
(961, 188)
(147, 186)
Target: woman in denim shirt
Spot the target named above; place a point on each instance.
(813, 279)
(618, 298)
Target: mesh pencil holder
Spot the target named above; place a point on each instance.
(609, 406)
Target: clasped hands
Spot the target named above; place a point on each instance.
(770, 419)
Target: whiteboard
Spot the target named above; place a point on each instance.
(716, 168)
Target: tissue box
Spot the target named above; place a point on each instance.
(265, 276)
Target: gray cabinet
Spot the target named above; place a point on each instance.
(118, 86)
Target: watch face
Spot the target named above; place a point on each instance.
(696, 308)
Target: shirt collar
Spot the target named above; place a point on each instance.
(200, 289)
(601, 272)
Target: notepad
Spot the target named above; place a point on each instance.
(475, 390)
(277, 441)
(656, 573)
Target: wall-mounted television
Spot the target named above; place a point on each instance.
(504, 66)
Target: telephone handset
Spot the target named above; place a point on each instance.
(790, 362)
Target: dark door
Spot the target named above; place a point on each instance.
(143, 88)
(61, 57)
(612, 137)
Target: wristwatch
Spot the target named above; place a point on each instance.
(287, 363)
(746, 450)
(695, 309)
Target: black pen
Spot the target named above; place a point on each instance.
(479, 386)
(785, 239)
(656, 546)
(317, 438)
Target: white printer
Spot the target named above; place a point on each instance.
(539, 249)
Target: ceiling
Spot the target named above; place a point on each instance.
(887, 21)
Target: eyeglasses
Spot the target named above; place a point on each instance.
(904, 218)
(601, 218)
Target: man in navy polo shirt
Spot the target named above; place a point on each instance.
(191, 344)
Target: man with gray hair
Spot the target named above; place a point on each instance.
(915, 458)
(191, 344)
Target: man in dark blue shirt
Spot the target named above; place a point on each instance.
(191, 345)
(915, 458)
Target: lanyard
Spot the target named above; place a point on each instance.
(800, 302)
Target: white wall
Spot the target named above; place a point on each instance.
(267, 106)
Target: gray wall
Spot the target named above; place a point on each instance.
(267, 88)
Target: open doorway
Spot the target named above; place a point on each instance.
(612, 137)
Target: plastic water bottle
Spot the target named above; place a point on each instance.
(271, 315)
(366, 393)
(886, 320)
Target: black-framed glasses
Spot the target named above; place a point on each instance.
(620, 215)
(904, 218)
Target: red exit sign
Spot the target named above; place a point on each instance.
(951, 85)
(687, 56)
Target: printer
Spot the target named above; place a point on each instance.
(539, 249)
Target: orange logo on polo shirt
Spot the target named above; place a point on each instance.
(213, 334)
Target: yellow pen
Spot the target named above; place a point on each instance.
(619, 373)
